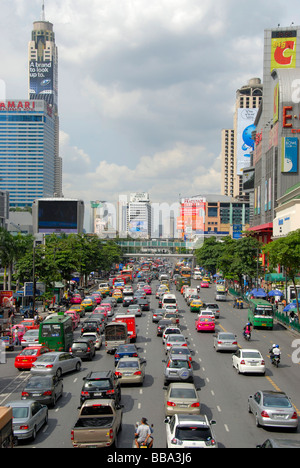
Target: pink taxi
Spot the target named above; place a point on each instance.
(205, 324)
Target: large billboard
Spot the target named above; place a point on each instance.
(192, 215)
(41, 84)
(56, 216)
(283, 49)
(245, 142)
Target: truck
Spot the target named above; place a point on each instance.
(98, 424)
(6, 427)
(181, 281)
(115, 334)
(131, 326)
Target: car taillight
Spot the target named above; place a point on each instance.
(118, 374)
(47, 393)
(110, 392)
(264, 414)
(262, 362)
(25, 394)
(242, 362)
(72, 435)
(295, 415)
(184, 344)
(137, 373)
(117, 356)
(84, 393)
(49, 366)
(195, 405)
(171, 403)
(23, 428)
(234, 342)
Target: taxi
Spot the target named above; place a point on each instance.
(148, 290)
(205, 324)
(104, 290)
(78, 308)
(28, 356)
(97, 296)
(118, 295)
(29, 324)
(196, 305)
(74, 317)
(89, 304)
(75, 299)
(204, 284)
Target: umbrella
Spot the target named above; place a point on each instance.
(275, 292)
(290, 307)
(258, 292)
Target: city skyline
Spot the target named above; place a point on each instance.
(144, 90)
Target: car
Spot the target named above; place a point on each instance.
(157, 315)
(280, 443)
(30, 338)
(178, 368)
(97, 296)
(248, 361)
(181, 398)
(177, 340)
(29, 324)
(79, 309)
(74, 317)
(207, 313)
(92, 325)
(190, 431)
(171, 316)
(205, 324)
(135, 310)
(29, 355)
(94, 337)
(130, 370)
(196, 305)
(224, 341)
(162, 324)
(171, 329)
(101, 384)
(192, 297)
(273, 409)
(89, 304)
(127, 300)
(175, 350)
(204, 284)
(46, 389)
(76, 299)
(83, 348)
(147, 289)
(28, 418)
(56, 363)
(214, 307)
(144, 304)
(125, 350)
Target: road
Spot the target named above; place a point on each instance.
(223, 393)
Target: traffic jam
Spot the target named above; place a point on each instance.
(105, 350)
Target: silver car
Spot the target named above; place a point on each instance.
(178, 369)
(224, 341)
(56, 363)
(28, 417)
(30, 338)
(175, 340)
(130, 370)
(271, 408)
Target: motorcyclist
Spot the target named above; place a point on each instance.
(143, 434)
(248, 329)
(275, 351)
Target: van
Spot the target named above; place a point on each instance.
(168, 299)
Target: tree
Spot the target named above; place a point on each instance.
(286, 253)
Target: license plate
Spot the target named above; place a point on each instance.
(98, 394)
(253, 363)
(36, 394)
(279, 416)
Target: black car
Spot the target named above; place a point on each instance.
(162, 324)
(46, 389)
(102, 384)
(128, 300)
(92, 325)
(144, 304)
(83, 348)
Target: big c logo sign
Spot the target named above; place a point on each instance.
(283, 49)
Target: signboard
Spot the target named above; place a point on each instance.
(245, 143)
(289, 154)
(41, 81)
(283, 49)
(6, 298)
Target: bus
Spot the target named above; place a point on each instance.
(260, 313)
(186, 272)
(56, 333)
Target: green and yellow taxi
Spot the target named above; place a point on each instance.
(196, 305)
(78, 308)
(89, 303)
(118, 295)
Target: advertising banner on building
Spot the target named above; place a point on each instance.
(41, 81)
(192, 215)
(245, 141)
(283, 49)
(289, 154)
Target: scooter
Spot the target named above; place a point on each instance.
(247, 335)
(275, 360)
(143, 444)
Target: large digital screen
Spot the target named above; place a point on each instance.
(57, 216)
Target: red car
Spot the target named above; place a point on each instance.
(204, 284)
(205, 324)
(28, 356)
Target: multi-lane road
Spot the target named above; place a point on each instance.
(223, 394)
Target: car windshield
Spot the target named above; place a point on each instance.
(29, 352)
(193, 433)
(20, 412)
(128, 364)
(31, 333)
(97, 384)
(251, 355)
(47, 358)
(276, 401)
(226, 336)
(183, 393)
(176, 338)
(175, 350)
(82, 346)
(179, 364)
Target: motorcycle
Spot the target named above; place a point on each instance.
(143, 444)
(275, 360)
(247, 335)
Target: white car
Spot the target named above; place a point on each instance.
(97, 339)
(248, 361)
(174, 340)
(207, 313)
(190, 431)
(30, 338)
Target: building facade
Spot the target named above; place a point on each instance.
(139, 215)
(27, 150)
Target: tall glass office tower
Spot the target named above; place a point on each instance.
(27, 149)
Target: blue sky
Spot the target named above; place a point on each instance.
(145, 88)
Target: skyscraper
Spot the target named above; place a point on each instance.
(43, 81)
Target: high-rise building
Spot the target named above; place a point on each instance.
(228, 162)
(26, 150)
(43, 81)
(139, 215)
